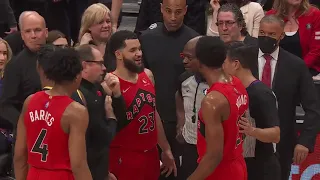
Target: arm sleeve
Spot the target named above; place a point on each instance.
(314, 46)
(119, 107)
(310, 104)
(267, 104)
(9, 103)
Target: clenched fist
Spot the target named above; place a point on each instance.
(113, 84)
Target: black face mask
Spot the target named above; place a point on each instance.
(267, 44)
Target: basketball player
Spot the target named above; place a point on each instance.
(50, 142)
(219, 141)
(133, 152)
(44, 53)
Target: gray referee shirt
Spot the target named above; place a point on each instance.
(192, 89)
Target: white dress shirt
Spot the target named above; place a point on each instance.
(262, 62)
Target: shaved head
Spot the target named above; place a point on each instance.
(181, 3)
(173, 12)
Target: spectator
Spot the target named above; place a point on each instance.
(236, 31)
(21, 77)
(5, 57)
(96, 29)
(57, 38)
(302, 31)
(115, 7)
(252, 13)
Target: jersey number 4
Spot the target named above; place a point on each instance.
(39, 147)
(144, 119)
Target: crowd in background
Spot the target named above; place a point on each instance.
(163, 32)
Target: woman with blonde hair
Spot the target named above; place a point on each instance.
(302, 30)
(96, 26)
(5, 57)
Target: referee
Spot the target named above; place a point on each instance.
(262, 128)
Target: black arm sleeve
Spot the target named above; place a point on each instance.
(112, 128)
(310, 104)
(267, 105)
(9, 103)
(119, 108)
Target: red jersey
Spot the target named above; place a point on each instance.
(140, 131)
(237, 97)
(46, 141)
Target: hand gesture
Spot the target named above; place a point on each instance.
(113, 84)
(300, 154)
(168, 164)
(246, 126)
(215, 5)
(86, 38)
(12, 30)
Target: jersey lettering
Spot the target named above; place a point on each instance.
(41, 115)
(39, 147)
(145, 120)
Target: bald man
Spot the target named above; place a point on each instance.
(20, 77)
(170, 37)
(192, 88)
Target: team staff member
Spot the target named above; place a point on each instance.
(162, 44)
(263, 128)
(292, 83)
(51, 129)
(102, 125)
(21, 77)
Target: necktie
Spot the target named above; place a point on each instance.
(266, 73)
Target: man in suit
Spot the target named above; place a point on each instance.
(289, 78)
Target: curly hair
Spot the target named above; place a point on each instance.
(59, 64)
(238, 16)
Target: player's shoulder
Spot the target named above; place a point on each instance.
(148, 72)
(215, 99)
(75, 111)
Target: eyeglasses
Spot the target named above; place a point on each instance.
(101, 63)
(226, 23)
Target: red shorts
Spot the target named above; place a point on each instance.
(230, 170)
(43, 174)
(134, 165)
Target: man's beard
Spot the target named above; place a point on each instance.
(132, 66)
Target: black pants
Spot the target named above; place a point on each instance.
(170, 130)
(189, 161)
(263, 168)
